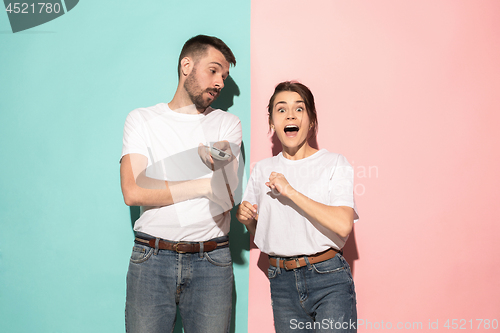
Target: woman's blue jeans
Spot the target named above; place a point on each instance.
(200, 284)
(315, 298)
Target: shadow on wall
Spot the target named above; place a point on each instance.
(238, 236)
(226, 97)
(351, 250)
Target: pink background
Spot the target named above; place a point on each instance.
(409, 92)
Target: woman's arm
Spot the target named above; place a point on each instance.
(247, 214)
(338, 219)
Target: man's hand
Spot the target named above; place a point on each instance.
(213, 163)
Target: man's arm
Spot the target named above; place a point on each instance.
(139, 190)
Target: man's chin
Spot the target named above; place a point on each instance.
(203, 106)
(201, 103)
(206, 103)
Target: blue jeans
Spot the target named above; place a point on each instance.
(158, 281)
(315, 298)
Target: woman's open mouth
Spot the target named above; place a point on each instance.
(291, 130)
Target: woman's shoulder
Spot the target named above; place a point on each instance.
(330, 158)
(267, 161)
(326, 154)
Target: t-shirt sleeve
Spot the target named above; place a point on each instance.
(250, 194)
(341, 186)
(232, 130)
(232, 133)
(134, 140)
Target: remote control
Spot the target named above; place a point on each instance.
(219, 154)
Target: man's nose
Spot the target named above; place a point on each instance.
(219, 84)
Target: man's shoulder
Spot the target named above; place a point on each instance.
(150, 110)
(222, 114)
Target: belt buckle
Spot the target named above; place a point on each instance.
(177, 250)
(297, 264)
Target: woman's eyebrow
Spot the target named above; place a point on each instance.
(283, 102)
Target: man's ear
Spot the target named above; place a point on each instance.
(186, 66)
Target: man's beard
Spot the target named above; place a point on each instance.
(196, 94)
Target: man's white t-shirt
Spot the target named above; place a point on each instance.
(283, 229)
(170, 141)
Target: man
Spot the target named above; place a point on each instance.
(181, 256)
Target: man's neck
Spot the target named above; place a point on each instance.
(188, 109)
(181, 103)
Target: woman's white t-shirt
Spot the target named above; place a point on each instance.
(283, 229)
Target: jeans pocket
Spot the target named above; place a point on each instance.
(140, 253)
(219, 257)
(333, 265)
(347, 267)
(271, 272)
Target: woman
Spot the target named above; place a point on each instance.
(300, 207)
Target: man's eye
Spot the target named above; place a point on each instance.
(212, 71)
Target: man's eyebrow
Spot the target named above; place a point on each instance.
(216, 63)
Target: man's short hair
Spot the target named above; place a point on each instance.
(197, 46)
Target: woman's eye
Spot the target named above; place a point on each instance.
(300, 109)
(281, 110)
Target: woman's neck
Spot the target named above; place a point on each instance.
(298, 153)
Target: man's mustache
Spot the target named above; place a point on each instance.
(214, 90)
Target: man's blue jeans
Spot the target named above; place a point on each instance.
(158, 281)
(315, 298)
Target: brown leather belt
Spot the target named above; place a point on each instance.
(301, 261)
(183, 247)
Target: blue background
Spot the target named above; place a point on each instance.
(66, 88)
